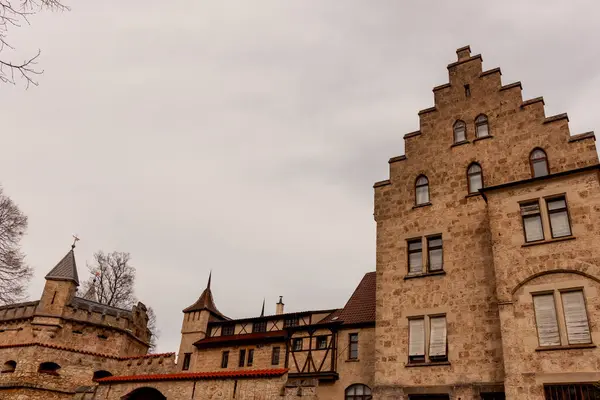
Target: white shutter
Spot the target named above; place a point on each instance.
(533, 228)
(416, 337)
(545, 316)
(437, 339)
(578, 329)
(560, 224)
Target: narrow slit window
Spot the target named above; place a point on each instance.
(250, 357)
(532, 221)
(435, 255)
(467, 91)
(460, 131)
(545, 318)
(187, 357)
(353, 346)
(422, 190)
(539, 163)
(242, 358)
(275, 356)
(415, 257)
(559, 217)
(224, 359)
(481, 126)
(416, 340)
(475, 178)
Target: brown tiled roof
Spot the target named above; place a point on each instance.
(206, 302)
(360, 308)
(256, 373)
(241, 339)
(65, 270)
(91, 353)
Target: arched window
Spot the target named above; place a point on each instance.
(101, 374)
(474, 178)
(144, 393)
(358, 392)
(539, 163)
(49, 368)
(460, 131)
(9, 367)
(422, 190)
(481, 126)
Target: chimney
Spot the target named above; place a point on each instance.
(279, 306)
(464, 53)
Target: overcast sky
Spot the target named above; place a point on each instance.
(245, 136)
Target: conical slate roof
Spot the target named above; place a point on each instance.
(65, 270)
(205, 302)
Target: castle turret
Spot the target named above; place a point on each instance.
(61, 283)
(196, 318)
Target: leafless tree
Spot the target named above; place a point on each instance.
(14, 273)
(13, 14)
(113, 280)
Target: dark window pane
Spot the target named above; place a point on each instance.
(275, 356)
(250, 357)
(242, 359)
(224, 359)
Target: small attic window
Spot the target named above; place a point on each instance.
(467, 91)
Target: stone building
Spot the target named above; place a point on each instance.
(486, 285)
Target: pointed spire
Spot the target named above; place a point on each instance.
(66, 269)
(91, 292)
(206, 302)
(262, 313)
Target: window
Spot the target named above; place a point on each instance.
(415, 257)
(474, 178)
(353, 346)
(573, 391)
(434, 248)
(321, 342)
(297, 344)
(242, 359)
(250, 357)
(532, 221)
(460, 132)
(575, 318)
(539, 163)
(49, 368)
(275, 356)
(467, 91)
(227, 330)
(437, 350)
(224, 359)
(358, 392)
(9, 367)
(187, 357)
(559, 217)
(576, 321)
(291, 321)
(260, 326)
(101, 374)
(481, 126)
(422, 190)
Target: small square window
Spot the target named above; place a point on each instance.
(227, 330)
(321, 342)
(259, 327)
(297, 344)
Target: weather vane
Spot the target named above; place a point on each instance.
(75, 239)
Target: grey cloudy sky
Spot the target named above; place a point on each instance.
(245, 136)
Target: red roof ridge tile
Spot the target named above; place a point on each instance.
(257, 373)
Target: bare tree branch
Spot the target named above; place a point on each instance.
(13, 13)
(14, 273)
(113, 279)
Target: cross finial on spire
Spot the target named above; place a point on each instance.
(262, 313)
(209, 278)
(75, 239)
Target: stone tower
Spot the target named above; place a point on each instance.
(196, 318)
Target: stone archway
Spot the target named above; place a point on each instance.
(145, 393)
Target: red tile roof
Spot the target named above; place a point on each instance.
(257, 373)
(241, 339)
(91, 353)
(360, 308)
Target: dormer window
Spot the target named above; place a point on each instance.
(460, 131)
(539, 163)
(481, 126)
(422, 190)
